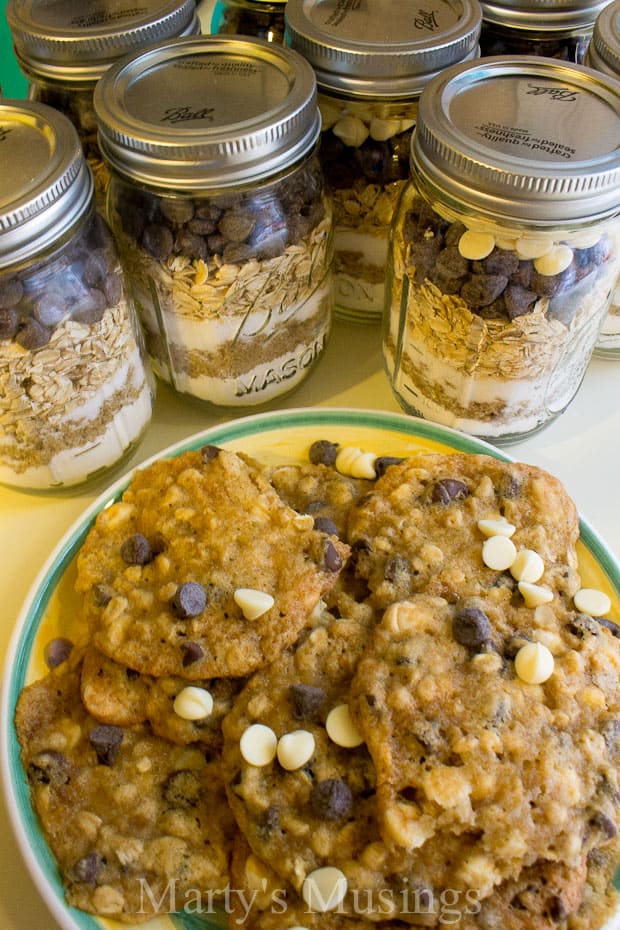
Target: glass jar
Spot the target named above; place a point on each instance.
(603, 54)
(263, 19)
(63, 49)
(371, 62)
(549, 28)
(506, 245)
(219, 207)
(75, 392)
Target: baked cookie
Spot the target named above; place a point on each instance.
(120, 696)
(479, 774)
(128, 816)
(418, 529)
(161, 570)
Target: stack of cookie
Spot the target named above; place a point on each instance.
(335, 700)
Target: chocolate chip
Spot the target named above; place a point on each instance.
(331, 558)
(582, 624)
(112, 288)
(158, 241)
(32, 335)
(613, 628)
(11, 292)
(182, 789)
(191, 245)
(106, 741)
(397, 568)
(447, 490)
(190, 599)
(471, 627)
(236, 225)
(325, 525)
(56, 651)
(331, 799)
(49, 768)
(88, 868)
(306, 701)
(383, 462)
(500, 261)
(192, 652)
(208, 453)
(450, 263)
(177, 211)
(9, 323)
(95, 268)
(91, 307)
(604, 824)
(50, 308)
(323, 452)
(518, 300)
(103, 594)
(136, 550)
(482, 289)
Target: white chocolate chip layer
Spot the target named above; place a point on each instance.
(258, 745)
(476, 245)
(498, 552)
(592, 601)
(534, 594)
(527, 566)
(351, 130)
(341, 728)
(355, 463)
(534, 663)
(554, 261)
(253, 603)
(532, 248)
(324, 889)
(192, 703)
(295, 749)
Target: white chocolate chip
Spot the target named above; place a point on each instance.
(383, 129)
(355, 463)
(504, 242)
(341, 729)
(295, 749)
(534, 663)
(534, 594)
(527, 566)
(258, 744)
(253, 603)
(476, 245)
(592, 601)
(499, 527)
(330, 113)
(193, 703)
(324, 889)
(586, 239)
(532, 248)
(555, 261)
(351, 130)
(498, 552)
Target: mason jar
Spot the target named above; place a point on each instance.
(371, 62)
(218, 203)
(548, 28)
(603, 54)
(506, 244)
(63, 49)
(263, 19)
(75, 390)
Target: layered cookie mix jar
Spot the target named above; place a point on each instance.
(63, 49)
(75, 391)
(263, 19)
(220, 209)
(506, 246)
(549, 28)
(372, 62)
(603, 54)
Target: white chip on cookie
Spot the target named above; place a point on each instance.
(534, 594)
(192, 703)
(592, 601)
(355, 463)
(498, 552)
(253, 603)
(258, 745)
(324, 889)
(341, 729)
(534, 663)
(295, 749)
(498, 527)
(528, 566)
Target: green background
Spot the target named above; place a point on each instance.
(12, 81)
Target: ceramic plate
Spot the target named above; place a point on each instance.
(274, 438)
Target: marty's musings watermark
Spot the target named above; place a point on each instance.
(447, 907)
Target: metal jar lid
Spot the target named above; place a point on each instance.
(385, 48)
(71, 40)
(46, 185)
(206, 112)
(604, 48)
(521, 138)
(553, 16)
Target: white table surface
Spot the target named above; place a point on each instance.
(582, 447)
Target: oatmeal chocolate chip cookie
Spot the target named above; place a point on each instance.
(418, 529)
(467, 753)
(161, 570)
(120, 696)
(126, 813)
